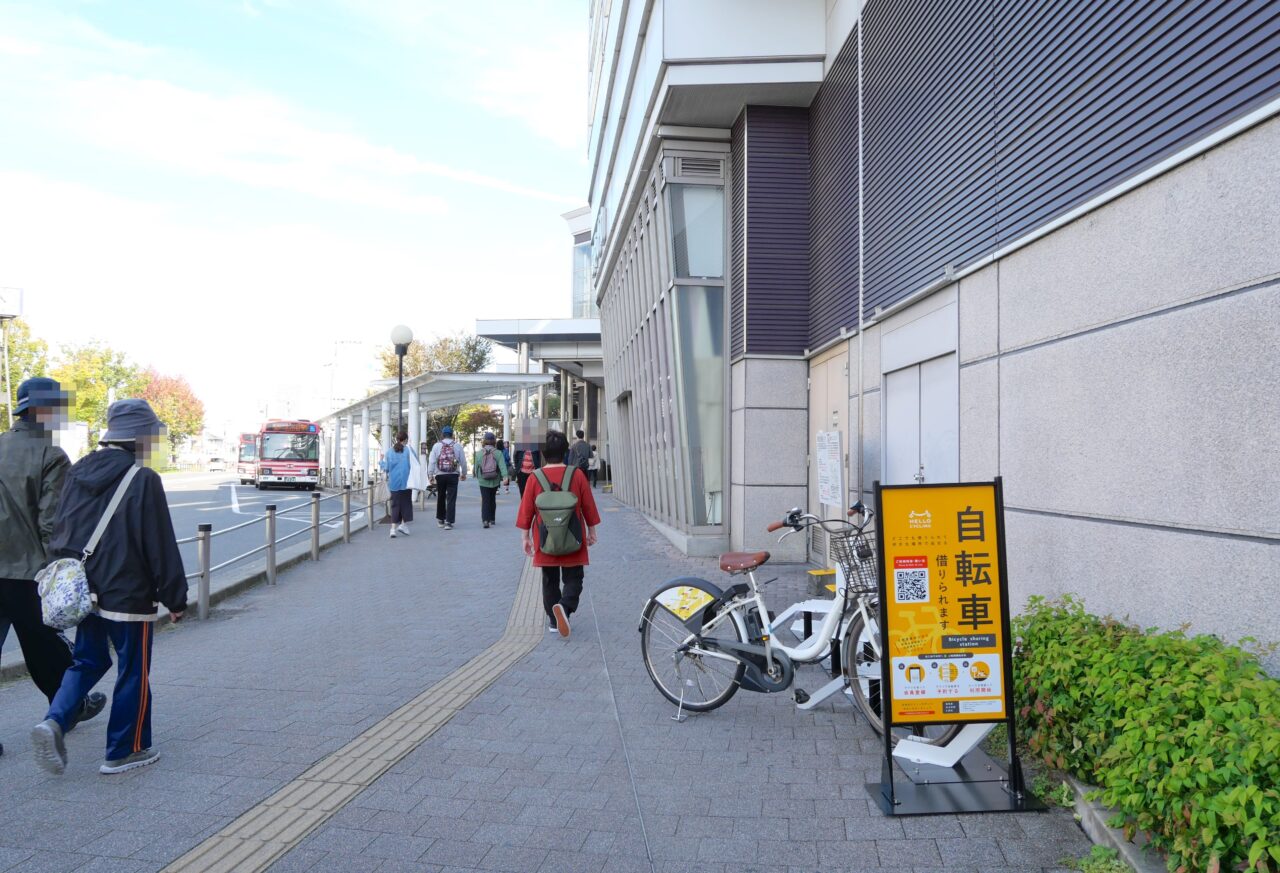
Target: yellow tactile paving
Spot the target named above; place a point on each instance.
(261, 835)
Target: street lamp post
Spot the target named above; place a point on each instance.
(401, 336)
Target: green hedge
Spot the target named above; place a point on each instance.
(1182, 734)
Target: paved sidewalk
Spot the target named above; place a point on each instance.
(569, 761)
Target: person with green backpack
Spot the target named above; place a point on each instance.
(558, 517)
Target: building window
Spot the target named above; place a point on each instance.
(701, 374)
(697, 231)
(583, 304)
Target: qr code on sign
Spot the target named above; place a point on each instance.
(911, 586)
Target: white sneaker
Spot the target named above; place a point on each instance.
(393, 532)
(404, 529)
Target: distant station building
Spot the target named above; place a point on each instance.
(1039, 241)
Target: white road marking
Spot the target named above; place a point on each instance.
(185, 505)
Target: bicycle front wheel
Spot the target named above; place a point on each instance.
(862, 668)
(696, 681)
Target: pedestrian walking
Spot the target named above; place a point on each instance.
(580, 453)
(526, 461)
(134, 567)
(491, 471)
(448, 467)
(563, 571)
(397, 464)
(505, 448)
(32, 473)
(593, 467)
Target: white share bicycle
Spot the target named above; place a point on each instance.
(701, 643)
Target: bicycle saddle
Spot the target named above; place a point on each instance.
(738, 562)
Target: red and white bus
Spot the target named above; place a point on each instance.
(289, 454)
(247, 459)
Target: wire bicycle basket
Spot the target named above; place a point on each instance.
(856, 554)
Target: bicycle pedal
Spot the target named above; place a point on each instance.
(801, 697)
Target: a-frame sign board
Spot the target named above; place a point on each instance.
(946, 653)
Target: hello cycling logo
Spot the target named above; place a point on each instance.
(920, 520)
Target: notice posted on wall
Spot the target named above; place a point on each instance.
(830, 464)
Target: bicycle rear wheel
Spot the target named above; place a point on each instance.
(697, 682)
(862, 667)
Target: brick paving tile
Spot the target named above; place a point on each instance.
(568, 761)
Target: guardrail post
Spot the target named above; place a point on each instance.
(346, 515)
(271, 544)
(315, 526)
(204, 544)
(368, 493)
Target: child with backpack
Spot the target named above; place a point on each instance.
(491, 471)
(558, 517)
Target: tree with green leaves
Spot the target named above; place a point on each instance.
(474, 419)
(176, 405)
(28, 355)
(455, 353)
(97, 374)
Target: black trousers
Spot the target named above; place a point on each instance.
(488, 503)
(552, 577)
(47, 652)
(446, 496)
(522, 478)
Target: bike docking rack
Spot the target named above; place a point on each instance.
(205, 534)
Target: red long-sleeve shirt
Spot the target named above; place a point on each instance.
(587, 514)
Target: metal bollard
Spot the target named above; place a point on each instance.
(346, 515)
(271, 544)
(369, 506)
(315, 526)
(204, 543)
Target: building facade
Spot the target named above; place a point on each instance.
(1039, 241)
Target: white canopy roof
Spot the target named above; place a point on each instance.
(439, 390)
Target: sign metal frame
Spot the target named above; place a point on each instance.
(976, 784)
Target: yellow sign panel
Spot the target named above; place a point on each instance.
(943, 584)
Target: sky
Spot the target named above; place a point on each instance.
(252, 193)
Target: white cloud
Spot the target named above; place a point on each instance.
(520, 59)
(249, 313)
(258, 140)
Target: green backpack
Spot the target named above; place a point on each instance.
(559, 527)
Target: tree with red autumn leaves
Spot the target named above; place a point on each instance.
(176, 405)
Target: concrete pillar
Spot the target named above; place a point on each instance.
(348, 443)
(591, 414)
(566, 401)
(542, 393)
(386, 426)
(363, 463)
(423, 418)
(411, 414)
(506, 419)
(522, 366)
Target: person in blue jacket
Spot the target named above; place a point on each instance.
(396, 465)
(135, 569)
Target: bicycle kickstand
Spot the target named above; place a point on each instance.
(680, 716)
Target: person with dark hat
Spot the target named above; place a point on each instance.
(491, 471)
(447, 467)
(135, 567)
(32, 471)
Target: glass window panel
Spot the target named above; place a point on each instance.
(700, 345)
(697, 231)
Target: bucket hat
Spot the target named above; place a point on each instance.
(130, 419)
(39, 391)
(447, 430)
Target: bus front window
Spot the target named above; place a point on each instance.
(290, 447)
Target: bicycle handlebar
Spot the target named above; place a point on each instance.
(776, 525)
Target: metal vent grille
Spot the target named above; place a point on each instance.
(701, 168)
(818, 546)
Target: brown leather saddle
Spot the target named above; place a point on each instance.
(741, 562)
